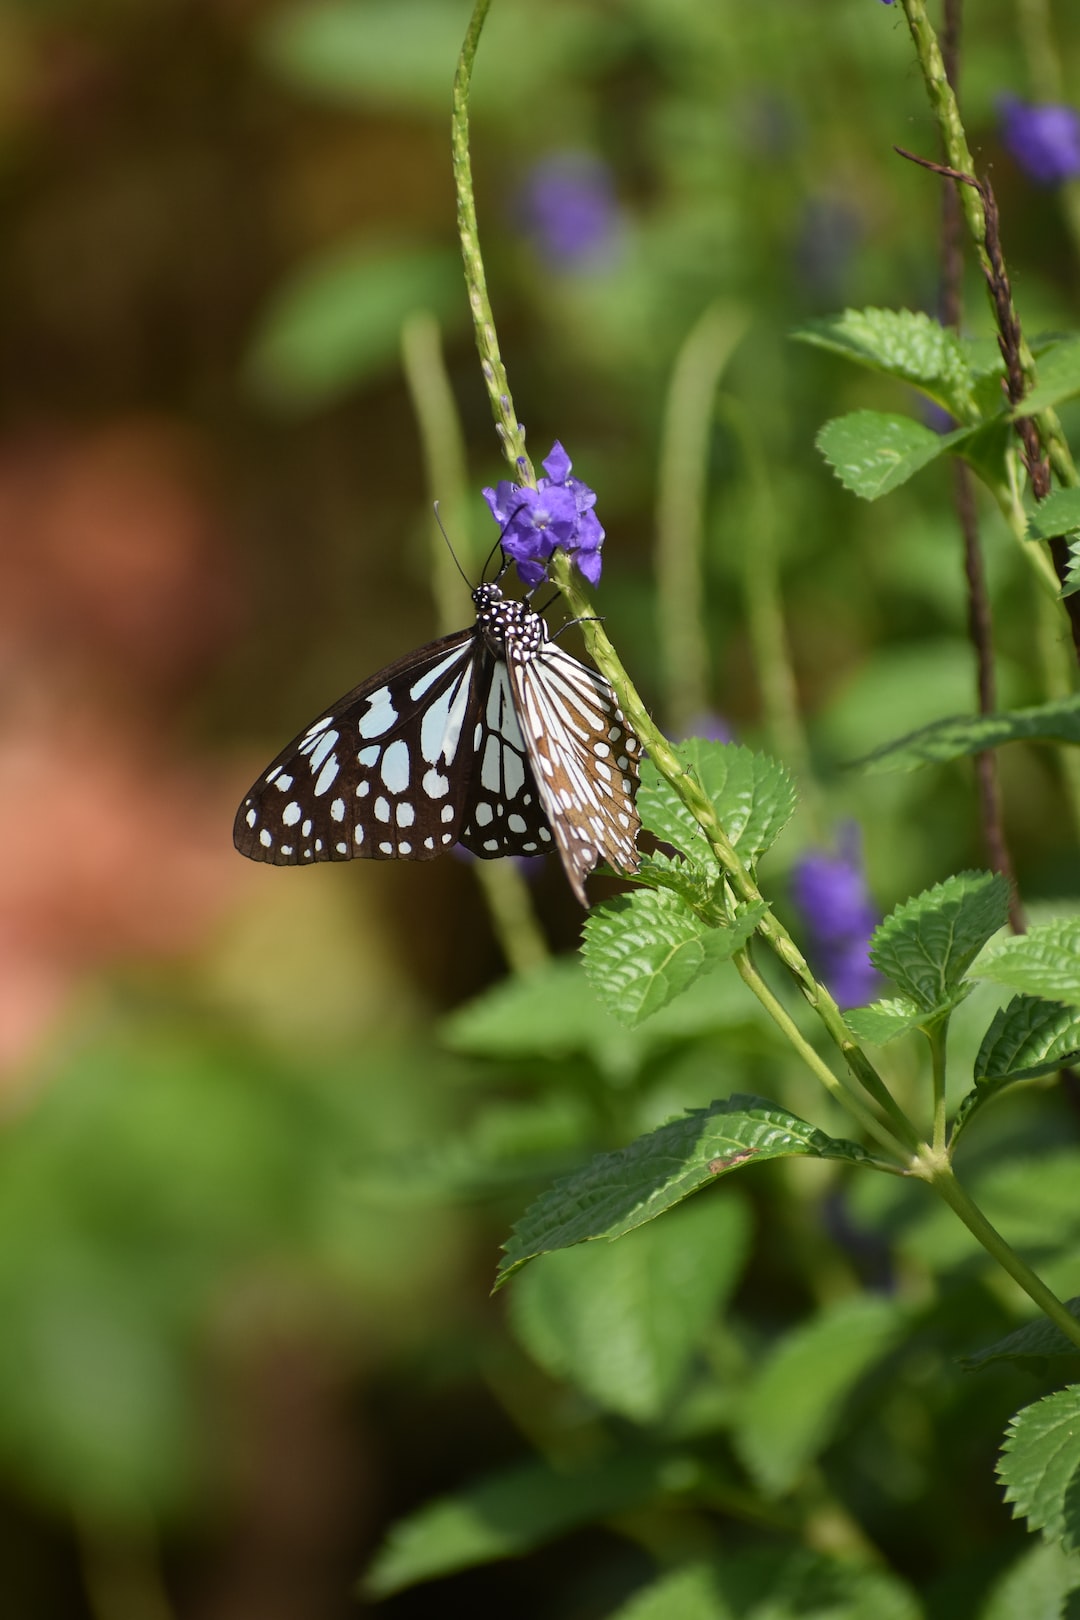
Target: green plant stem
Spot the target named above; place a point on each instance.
(958, 156)
(843, 1090)
(769, 640)
(935, 1169)
(509, 429)
(659, 749)
(506, 893)
(776, 936)
(937, 1036)
(680, 510)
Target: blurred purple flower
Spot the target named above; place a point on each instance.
(830, 892)
(1045, 141)
(711, 728)
(558, 514)
(569, 209)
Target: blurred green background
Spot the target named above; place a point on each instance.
(251, 1184)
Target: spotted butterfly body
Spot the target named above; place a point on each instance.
(493, 737)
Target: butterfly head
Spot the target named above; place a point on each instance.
(513, 632)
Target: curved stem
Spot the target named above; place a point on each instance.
(937, 1037)
(842, 1090)
(680, 510)
(936, 1170)
(507, 426)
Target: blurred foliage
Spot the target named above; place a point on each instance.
(260, 1145)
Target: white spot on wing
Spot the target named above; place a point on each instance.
(491, 768)
(265, 839)
(368, 756)
(324, 746)
(382, 809)
(251, 818)
(291, 814)
(394, 769)
(337, 810)
(381, 714)
(327, 776)
(406, 815)
(484, 814)
(435, 785)
(284, 783)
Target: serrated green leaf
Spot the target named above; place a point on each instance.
(337, 321)
(1040, 1466)
(1072, 572)
(986, 447)
(1029, 1037)
(883, 1021)
(754, 797)
(1043, 962)
(1058, 378)
(1036, 1342)
(902, 343)
(622, 1190)
(1058, 514)
(506, 1514)
(791, 1410)
(872, 453)
(641, 950)
(927, 945)
(1035, 1586)
(624, 1323)
(963, 734)
(773, 1583)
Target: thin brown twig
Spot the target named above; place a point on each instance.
(1017, 380)
(980, 619)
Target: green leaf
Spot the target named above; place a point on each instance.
(622, 1190)
(1044, 962)
(754, 798)
(791, 1410)
(872, 453)
(1035, 1585)
(927, 945)
(505, 1515)
(963, 734)
(1035, 1343)
(1058, 378)
(1072, 573)
(1040, 1466)
(1029, 1037)
(641, 950)
(773, 1583)
(624, 1324)
(902, 343)
(883, 1021)
(1058, 514)
(337, 321)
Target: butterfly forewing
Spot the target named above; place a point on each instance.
(492, 737)
(379, 774)
(584, 758)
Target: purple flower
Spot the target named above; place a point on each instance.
(710, 728)
(830, 892)
(557, 514)
(1045, 141)
(569, 209)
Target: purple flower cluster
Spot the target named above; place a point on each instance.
(830, 892)
(1045, 141)
(556, 516)
(568, 207)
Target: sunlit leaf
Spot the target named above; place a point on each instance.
(1040, 1466)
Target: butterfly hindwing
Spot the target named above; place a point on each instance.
(505, 812)
(584, 758)
(380, 774)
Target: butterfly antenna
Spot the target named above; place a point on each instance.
(449, 547)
